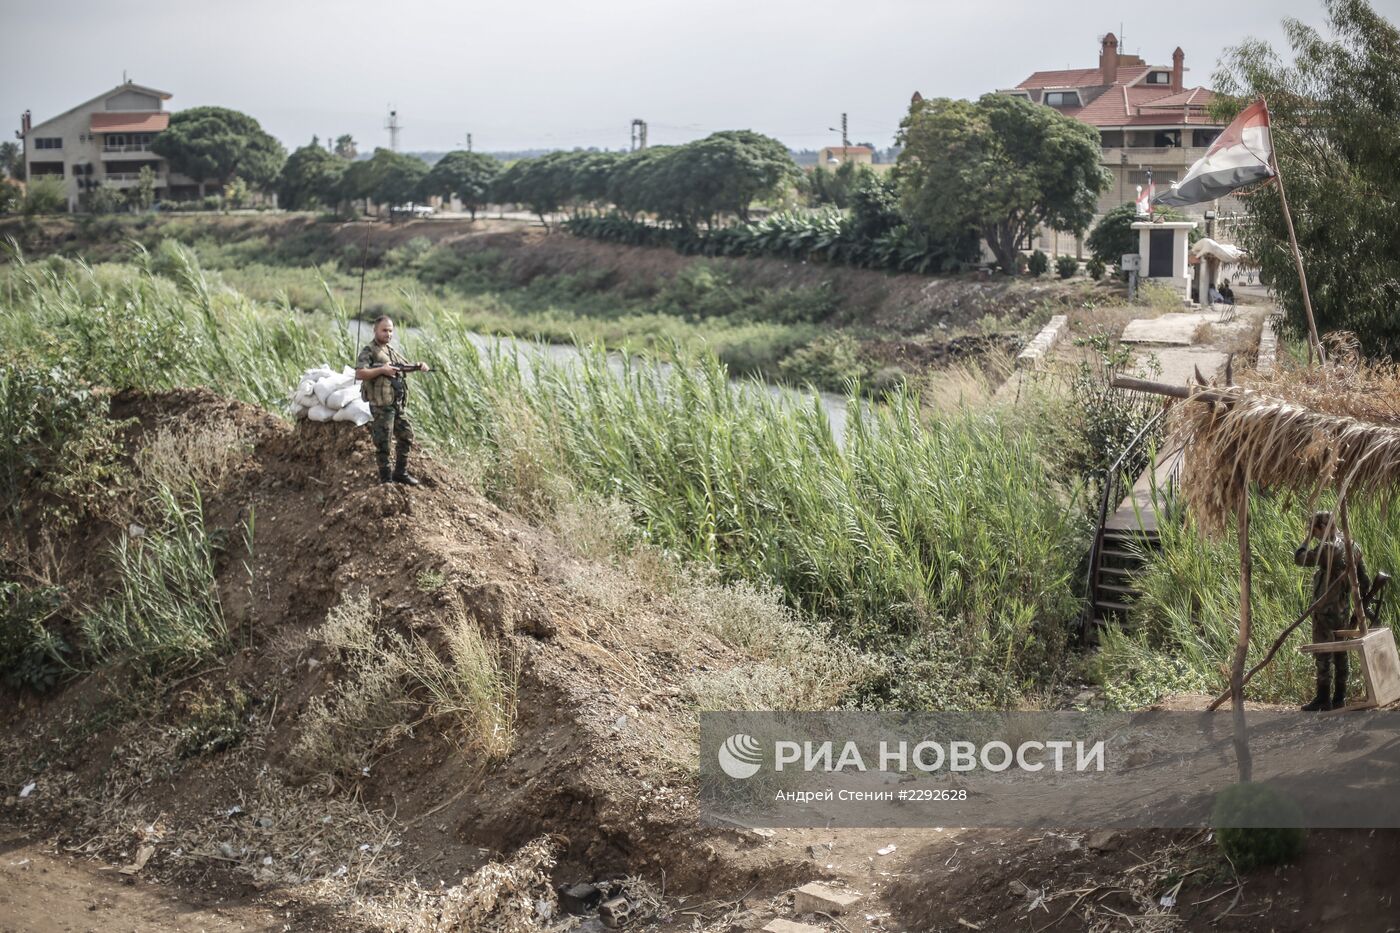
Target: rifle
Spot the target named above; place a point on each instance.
(397, 380)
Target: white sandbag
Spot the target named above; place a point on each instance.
(318, 372)
(342, 397)
(320, 413)
(297, 409)
(306, 399)
(326, 386)
(357, 412)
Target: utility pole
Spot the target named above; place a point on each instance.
(469, 142)
(393, 126)
(845, 137)
(639, 135)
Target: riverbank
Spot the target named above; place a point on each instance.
(784, 321)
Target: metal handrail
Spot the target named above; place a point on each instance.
(1112, 495)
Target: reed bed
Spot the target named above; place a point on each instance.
(950, 531)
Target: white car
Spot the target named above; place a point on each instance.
(417, 210)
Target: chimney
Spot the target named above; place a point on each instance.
(24, 123)
(1108, 59)
(1178, 57)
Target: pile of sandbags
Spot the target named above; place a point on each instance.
(326, 395)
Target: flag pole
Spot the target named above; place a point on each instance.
(1314, 344)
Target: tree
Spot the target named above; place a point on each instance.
(466, 175)
(542, 184)
(731, 169)
(1114, 235)
(216, 144)
(345, 147)
(1336, 131)
(12, 160)
(396, 177)
(311, 177)
(1001, 165)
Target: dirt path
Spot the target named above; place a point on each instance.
(44, 893)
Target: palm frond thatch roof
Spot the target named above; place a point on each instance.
(1334, 428)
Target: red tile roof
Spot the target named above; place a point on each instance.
(1125, 102)
(140, 122)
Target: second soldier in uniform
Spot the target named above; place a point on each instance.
(383, 386)
(1330, 558)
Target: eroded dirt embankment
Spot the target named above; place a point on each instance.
(603, 737)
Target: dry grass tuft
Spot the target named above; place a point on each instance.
(202, 456)
(369, 706)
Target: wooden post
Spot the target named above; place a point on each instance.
(1358, 611)
(1242, 757)
(1315, 343)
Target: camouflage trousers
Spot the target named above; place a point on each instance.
(385, 420)
(1325, 623)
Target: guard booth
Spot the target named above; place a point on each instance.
(1163, 248)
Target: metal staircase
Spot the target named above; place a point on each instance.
(1127, 527)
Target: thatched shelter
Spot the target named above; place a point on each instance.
(1331, 427)
(1335, 427)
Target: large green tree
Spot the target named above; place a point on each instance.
(543, 184)
(311, 177)
(1336, 128)
(1001, 165)
(467, 175)
(215, 144)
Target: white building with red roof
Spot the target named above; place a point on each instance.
(1146, 117)
(105, 141)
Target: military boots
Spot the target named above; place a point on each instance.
(401, 474)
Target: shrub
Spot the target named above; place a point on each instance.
(32, 654)
(1256, 825)
(1097, 425)
(1066, 267)
(1095, 268)
(832, 363)
(1038, 263)
(45, 196)
(59, 451)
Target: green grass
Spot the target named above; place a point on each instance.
(1184, 623)
(949, 535)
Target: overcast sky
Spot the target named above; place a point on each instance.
(565, 73)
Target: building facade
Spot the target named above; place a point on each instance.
(105, 141)
(1148, 120)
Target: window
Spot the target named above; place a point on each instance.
(47, 169)
(1159, 77)
(1203, 138)
(1166, 139)
(1111, 139)
(48, 142)
(1062, 98)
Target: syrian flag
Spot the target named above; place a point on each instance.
(1240, 156)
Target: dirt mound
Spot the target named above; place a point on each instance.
(603, 738)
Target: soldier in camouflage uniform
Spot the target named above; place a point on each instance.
(1329, 556)
(385, 389)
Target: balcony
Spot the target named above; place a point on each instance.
(127, 147)
(1152, 155)
(126, 179)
